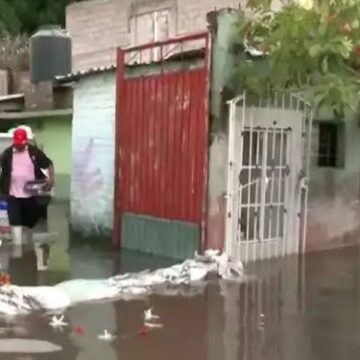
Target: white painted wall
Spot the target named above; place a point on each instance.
(93, 153)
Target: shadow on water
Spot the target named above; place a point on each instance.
(285, 309)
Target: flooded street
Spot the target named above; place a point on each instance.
(284, 309)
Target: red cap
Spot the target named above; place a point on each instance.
(20, 137)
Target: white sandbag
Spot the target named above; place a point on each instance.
(24, 299)
(87, 290)
(185, 279)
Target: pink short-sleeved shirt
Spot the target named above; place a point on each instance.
(22, 172)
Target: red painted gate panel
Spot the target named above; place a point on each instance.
(162, 146)
(162, 130)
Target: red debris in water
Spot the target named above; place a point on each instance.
(4, 279)
(144, 330)
(79, 330)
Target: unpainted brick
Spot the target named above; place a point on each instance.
(97, 25)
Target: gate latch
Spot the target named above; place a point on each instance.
(303, 180)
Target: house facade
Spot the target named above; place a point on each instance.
(332, 176)
(95, 40)
(334, 191)
(332, 195)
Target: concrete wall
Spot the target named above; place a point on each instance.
(334, 207)
(98, 27)
(93, 156)
(222, 71)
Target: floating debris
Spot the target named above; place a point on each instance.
(58, 322)
(144, 330)
(106, 336)
(153, 325)
(149, 316)
(4, 279)
(151, 321)
(79, 330)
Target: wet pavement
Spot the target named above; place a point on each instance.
(287, 309)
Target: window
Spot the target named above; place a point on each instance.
(150, 27)
(328, 134)
(328, 144)
(147, 28)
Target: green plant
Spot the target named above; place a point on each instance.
(308, 46)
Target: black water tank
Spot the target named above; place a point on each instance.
(50, 53)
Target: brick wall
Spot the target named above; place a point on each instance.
(98, 27)
(93, 143)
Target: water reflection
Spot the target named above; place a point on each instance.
(30, 338)
(94, 319)
(230, 321)
(27, 264)
(24, 269)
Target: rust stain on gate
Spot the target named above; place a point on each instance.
(162, 133)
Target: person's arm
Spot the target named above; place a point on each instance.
(4, 170)
(2, 160)
(51, 176)
(46, 164)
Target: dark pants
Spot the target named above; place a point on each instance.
(23, 212)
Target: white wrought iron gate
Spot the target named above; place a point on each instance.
(268, 166)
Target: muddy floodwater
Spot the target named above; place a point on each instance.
(303, 309)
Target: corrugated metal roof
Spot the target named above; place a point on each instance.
(181, 55)
(10, 97)
(82, 73)
(22, 115)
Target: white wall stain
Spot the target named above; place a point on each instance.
(93, 150)
(218, 157)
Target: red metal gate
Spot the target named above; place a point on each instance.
(162, 131)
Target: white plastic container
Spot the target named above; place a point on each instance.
(4, 221)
